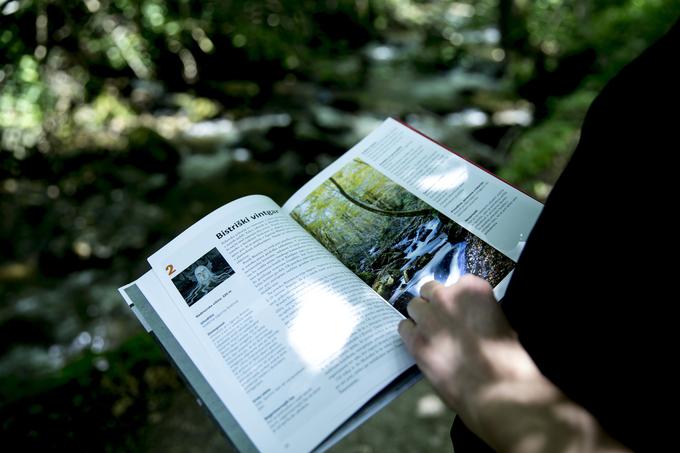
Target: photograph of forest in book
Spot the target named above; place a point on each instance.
(202, 276)
(390, 238)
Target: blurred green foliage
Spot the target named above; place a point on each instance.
(62, 61)
(104, 408)
(558, 33)
(62, 56)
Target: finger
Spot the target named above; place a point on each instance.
(413, 340)
(428, 289)
(417, 309)
(407, 331)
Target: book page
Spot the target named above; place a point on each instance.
(399, 210)
(292, 341)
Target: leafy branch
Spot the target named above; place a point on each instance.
(379, 211)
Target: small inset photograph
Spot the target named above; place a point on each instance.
(202, 276)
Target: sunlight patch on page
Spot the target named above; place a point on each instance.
(448, 180)
(322, 326)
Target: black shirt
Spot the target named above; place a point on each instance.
(593, 293)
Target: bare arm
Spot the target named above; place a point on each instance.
(471, 355)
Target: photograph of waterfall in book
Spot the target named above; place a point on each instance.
(391, 239)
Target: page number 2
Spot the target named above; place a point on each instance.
(170, 268)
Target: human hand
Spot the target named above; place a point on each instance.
(466, 348)
(461, 340)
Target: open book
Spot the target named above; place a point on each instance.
(284, 319)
